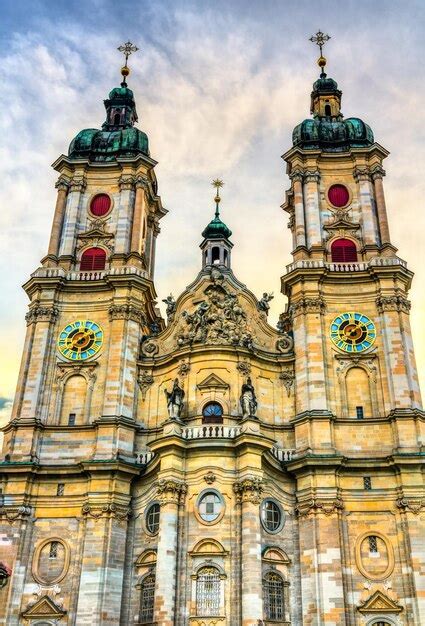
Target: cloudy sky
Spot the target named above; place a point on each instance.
(219, 87)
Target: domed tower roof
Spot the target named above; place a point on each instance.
(328, 130)
(118, 136)
(216, 246)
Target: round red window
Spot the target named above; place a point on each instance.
(100, 204)
(338, 195)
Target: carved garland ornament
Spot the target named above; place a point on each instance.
(12, 514)
(313, 506)
(249, 490)
(145, 380)
(414, 506)
(41, 314)
(97, 511)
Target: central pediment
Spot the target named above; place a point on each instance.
(213, 382)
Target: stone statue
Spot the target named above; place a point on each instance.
(171, 307)
(175, 400)
(263, 304)
(248, 400)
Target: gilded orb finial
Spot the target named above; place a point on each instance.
(126, 48)
(320, 39)
(217, 183)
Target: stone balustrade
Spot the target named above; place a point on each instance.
(345, 267)
(283, 455)
(60, 272)
(211, 431)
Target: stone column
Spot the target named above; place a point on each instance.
(300, 239)
(62, 187)
(171, 495)
(155, 232)
(370, 226)
(125, 215)
(377, 174)
(69, 231)
(321, 561)
(412, 513)
(102, 566)
(248, 496)
(138, 216)
(312, 208)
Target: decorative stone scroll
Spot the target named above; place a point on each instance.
(144, 380)
(249, 489)
(117, 511)
(413, 505)
(14, 513)
(41, 314)
(316, 505)
(127, 312)
(285, 343)
(393, 303)
(171, 491)
(307, 305)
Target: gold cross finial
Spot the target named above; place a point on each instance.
(217, 183)
(126, 48)
(320, 39)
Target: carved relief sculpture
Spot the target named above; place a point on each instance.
(175, 400)
(248, 400)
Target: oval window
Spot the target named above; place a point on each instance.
(338, 195)
(100, 204)
(374, 556)
(51, 561)
(272, 516)
(210, 506)
(152, 518)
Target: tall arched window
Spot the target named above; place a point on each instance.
(343, 251)
(208, 592)
(274, 601)
(215, 255)
(93, 259)
(212, 413)
(147, 597)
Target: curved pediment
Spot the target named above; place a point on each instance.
(217, 310)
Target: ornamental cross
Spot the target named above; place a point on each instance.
(217, 183)
(320, 39)
(127, 49)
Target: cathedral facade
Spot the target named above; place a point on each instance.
(210, 469)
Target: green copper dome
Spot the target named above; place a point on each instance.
(118, 136)
(217, 229)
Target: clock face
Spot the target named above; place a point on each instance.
(80, 340)
(353, 332)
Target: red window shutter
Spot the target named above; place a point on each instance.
(344, 251)
(93, 259)
(100, 204)
(338, 195)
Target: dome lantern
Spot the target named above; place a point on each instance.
(216, 246)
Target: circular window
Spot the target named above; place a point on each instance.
(212, 413)
(338, 195)
(210, 506)
(152, 518)
(100, 204)
(272, 516)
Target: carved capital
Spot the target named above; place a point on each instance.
(126, 182)
(307, 305)
(77, 184)
(171, 491)
(361, 174)
(111, 510)
(291, 222)
(41, 314)
(14, 513)
(127, 312)
(377, 172)
(249, 489)
(312, 176)
(62, 183)
(414, 505)
(318, 505)
(141, 182)
(393, 303)
(296, 175)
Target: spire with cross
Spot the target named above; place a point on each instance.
(320, 39)
(127, 49)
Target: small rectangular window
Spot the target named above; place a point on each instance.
(359, 412)
(53, 552)
(71, 419)
(373, 544)
(60, 489)
(367, 482)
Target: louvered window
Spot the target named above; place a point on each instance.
(274, 603)
(100, 204)
(93, 259)
(343, 251)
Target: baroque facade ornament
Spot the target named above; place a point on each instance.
(244, 368)
(184, 368)
(285, 343)
(263, 303)
(42, 314)
(307, 305)
(144, 380)
(14, 513)
(414, 505)
(361, 174)
(218, 319)
(127, 312)
(248, 400)
(77, 184)
(175, 400)
(149, 348)
(287, 377)
(210, 478)
(171, 491)
(318, 505)
(249, 489)
(393, 303)
(126, 182)
(117, 511)
(346, 362)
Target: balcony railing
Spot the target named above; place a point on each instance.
(211, 431)
(60, 272)
(283, 455)
(345, 267)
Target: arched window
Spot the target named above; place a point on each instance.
(381, 623)
(358, 393)
(212, 413)
(328, 110)
(344, 251)
(147, 597)
(73, 400)
(274, 602)
(208, 592)
(215, 255)
(93, 259)
(117, 119)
